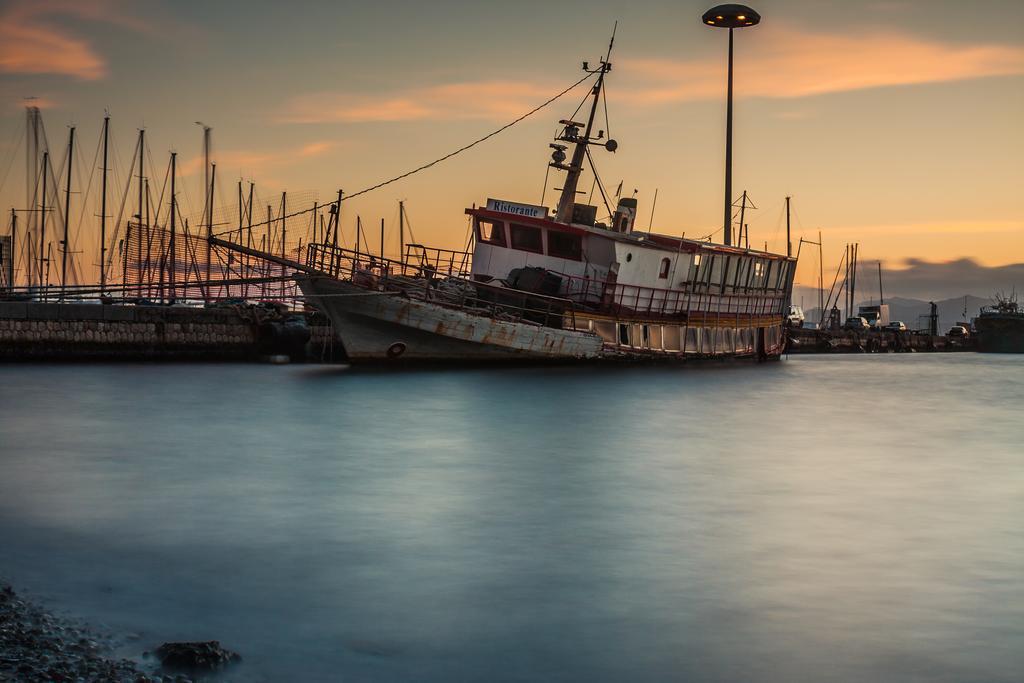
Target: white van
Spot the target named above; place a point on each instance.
(795, 317)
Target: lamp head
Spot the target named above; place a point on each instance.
(731, 16)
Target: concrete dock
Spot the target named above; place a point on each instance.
(76, 331)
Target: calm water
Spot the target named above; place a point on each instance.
(819, 519)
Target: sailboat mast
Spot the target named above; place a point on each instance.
(209, 222)
(142, 146)
(252, 188)
(14, 250)
(881, 298)
(316, 217)
(209, 226)
(174, 225)
(103, 210)
(846, 282)
(143, 206)
(789, 241)
(32, 185)
(42, 223)
(239, 210)
(853, 281)
(821, 282)
(67, 216)
(337, 222)
(284, 226)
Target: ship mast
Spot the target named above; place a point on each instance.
(571, 134)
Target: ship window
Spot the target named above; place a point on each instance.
(781, 275)
(565, 245)
(705, 269)
(743, 274)
(491, 232)
(695, 268)
(663, 273)
(717, 261)
(527, 238)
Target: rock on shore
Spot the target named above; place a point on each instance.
(37, 646)
(195, 657)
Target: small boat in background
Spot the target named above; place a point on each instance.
(1000, 328)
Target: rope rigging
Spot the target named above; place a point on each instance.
(445, 157)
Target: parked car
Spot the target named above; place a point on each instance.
(857, 324)
(896, 326)
(795, 317)
(958, 331)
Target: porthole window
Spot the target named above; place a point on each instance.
(629, 257)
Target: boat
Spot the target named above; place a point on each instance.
(557, 284)
(542, 283)
(1000, 328)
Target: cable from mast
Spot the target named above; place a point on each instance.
(446, 156)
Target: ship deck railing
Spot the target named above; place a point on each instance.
(614, 298)
(444, 261)
(447, 287)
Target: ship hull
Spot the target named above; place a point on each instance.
(1000, 333)
(375, 326)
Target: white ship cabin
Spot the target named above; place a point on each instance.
(590, 255)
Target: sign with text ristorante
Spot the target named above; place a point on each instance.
(528, 210)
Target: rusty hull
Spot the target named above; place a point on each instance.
(377, 326)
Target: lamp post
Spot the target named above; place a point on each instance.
(730, 17)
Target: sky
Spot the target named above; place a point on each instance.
(895, 124)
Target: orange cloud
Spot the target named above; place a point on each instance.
(28, 49)
(315, 148)
(40, 101)
(31, 44)
(787, 62)
(250, 163)
(491, 100)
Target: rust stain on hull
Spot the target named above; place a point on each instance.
(371, 325)
(368, 324)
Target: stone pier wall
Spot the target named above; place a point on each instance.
(72, 331)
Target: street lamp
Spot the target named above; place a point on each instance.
(730, 17)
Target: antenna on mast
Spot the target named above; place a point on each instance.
(571, 134)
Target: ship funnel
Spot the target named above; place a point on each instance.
(625, 215)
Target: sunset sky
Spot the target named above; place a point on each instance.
(896, 124)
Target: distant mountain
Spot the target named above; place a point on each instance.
(914, 312)
(924, 281)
